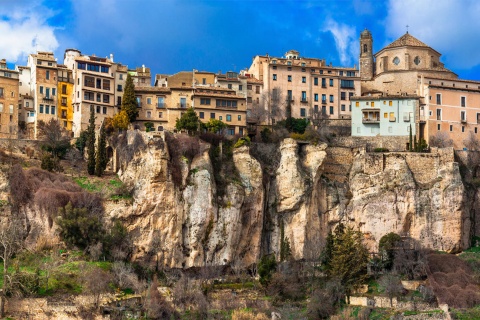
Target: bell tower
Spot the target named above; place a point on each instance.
(366, 56)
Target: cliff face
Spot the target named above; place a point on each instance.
(309, 191)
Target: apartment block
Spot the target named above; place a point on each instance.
(384, 115)
(65, 95)
(9, 96)
(309, 84)
(26, 106)
(43, 87)
(93, 88)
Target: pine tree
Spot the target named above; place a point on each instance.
(129, 102)
(101, 160)
(188, 121)
(91, 144)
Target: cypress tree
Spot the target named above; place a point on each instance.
(91, 144)
(129, 102)
(410, 140)
(101, 161)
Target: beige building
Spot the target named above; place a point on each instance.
(310, 84)
(407, 66)
(9, 98)
(43, 87)
(93, 88)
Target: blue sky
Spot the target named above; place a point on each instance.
(174, 35)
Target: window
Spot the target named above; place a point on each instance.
(54, 91)
(324, 83)
(438, 127)
(289, 78)
(229, 86)
(289, 69)
(331, 82)
(249, 87)
(392, 116)
(406, 116)
(119, 101)
(475, 129)
(47, 109)
(89, 96)
(106, 84)
(372, 104)
(240, 87)
(289, 63)
(201, 115)
(1, 92)
(64, 101)
(462, 101)
(331, 110)
(257, 89)
(229, 117)
(274, 77)
(98, 109)
(226, 103)
(64, 89)
(324, 98)
(160, 102)
(220, 118)
(41, 90)
(160, 114)
(231, 131)
(343, 96)
(463, 128)
(324, 110)
(357, 104)
(304, 79)
(27, 104)
(104, 110)
(104, 69)
(439, 114)
(315, 108)
(451, 128)
(99, 83)
(303, 64)
(239, 118)
(106, 98)
(81, 65)
(47, 75)
(149, 100)
(302, 112)
(120, 76)
(119, 87)
(41, 108)
(315, 96)
(249, 99)
(149, 114)
(315, 81)
(212, 115)
(205, 101)
(385, 115)
(183, 102)
(47, 92)
(204, 80)
(347, 84)
(350, 95)
(463, 116)
(304, 96)
(160, 128)
(439, 98)
(289, 95)
(342, 107)
(478, 117)
(331, 98)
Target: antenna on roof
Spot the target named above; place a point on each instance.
(407, 27)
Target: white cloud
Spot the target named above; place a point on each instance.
(24, 31)
(345, 37)
(448, 26)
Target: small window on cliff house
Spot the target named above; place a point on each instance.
(365, 48)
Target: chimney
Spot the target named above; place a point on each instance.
(111, 57)
(143, 68)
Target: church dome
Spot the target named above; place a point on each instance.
(365, 34)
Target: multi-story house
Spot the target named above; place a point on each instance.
(309, 84)
(120, 72)
(9, 81)
(154, 103)
(43, 87)
(65, 94)
(141, 76)
(93, 88)
(26, 106)
(384, 115)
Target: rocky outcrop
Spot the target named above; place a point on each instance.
(311, 189)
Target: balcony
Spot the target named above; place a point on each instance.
(324, 101)
(48, 99)
(304, 100)
(183, 105)
(324, 86)
(291, 99)
(30, 119)
(161, 105)
(371, 120)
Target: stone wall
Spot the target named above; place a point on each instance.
(370, 143)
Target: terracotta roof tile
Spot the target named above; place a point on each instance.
(406, 40)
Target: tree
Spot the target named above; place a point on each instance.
(273, 102)
(392, 286)
(95, 281)
(20, 188)
(121, 121)
(266, 268)
(156, 306)
(441, 140)
(101, 159)
(215, 126)
(12, 234)
(91, 144)
(148, 126)
(129, 102)
(471, 142)
(349, 258)
(188, 121)
(410, 140)
(78, 227)
(81, 142)
(55, 142)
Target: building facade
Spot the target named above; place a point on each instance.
(9, 97)
(65, 94)
(309, 84)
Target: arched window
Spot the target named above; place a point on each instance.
(160, 128)
(365, 48)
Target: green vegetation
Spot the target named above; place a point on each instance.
(266, 268)
(380, 150)
(243, 141)
(129, 101)
(148, 126)
(91, 144)
(215, 126)
(189, 121)
(101, 155)
(114, 188)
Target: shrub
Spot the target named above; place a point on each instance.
(266, 135)
(243, 141)
(266, 268)
(380, 150)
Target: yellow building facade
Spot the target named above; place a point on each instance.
(65, 93)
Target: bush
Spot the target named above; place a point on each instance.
(244, 141)
(266, 135)
(266, 268)
(380, 150)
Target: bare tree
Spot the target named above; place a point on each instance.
(257, 113)
(392, 285)
(155, 247)
(441, 140)
(156, 305)
(122, 273)
(471, 142)
(12, 234)
(274, 104)
(95, 282)
(55, 138)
